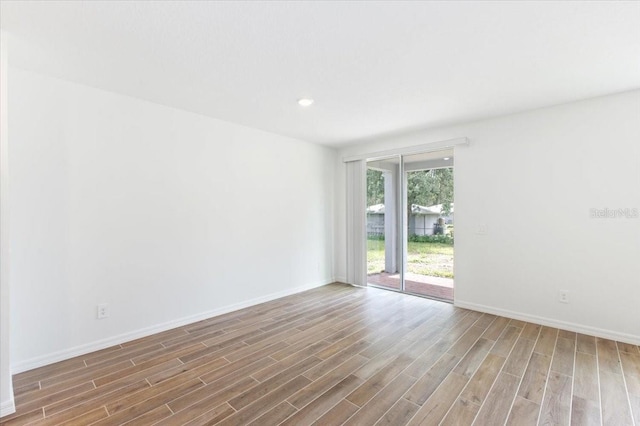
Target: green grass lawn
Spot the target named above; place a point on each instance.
(433, 259)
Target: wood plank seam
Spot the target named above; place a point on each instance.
(573, 378)
(359, 408)
(523, 374)
(624, 379)
(548, 373)
(496, 379)
(461, 358)
(599, 384)
(470, 376)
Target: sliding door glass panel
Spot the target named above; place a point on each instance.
(384, 229)
(428, 230)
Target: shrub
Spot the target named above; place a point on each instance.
(375, 237)
(442, 239)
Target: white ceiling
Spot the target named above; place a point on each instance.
(373, 68)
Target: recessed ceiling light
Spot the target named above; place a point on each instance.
(305, 102)
(446, 158)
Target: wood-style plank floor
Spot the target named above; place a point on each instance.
(342, 355)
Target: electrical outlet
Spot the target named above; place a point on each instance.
(103, 311)
(482, 229)
(563, 296)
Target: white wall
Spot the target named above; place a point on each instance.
(532, 178)
(144, 207)
(7, 405)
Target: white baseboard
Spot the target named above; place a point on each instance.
(7, 407)
(65, 354)
(550, 322)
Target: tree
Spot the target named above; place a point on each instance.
(375, 187)
(430, 187)
(424, 187)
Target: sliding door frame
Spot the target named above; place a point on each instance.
(400, 250)
(402, 191)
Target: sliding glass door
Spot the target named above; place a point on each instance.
(384, 229)
(428, 179)
(410, 224)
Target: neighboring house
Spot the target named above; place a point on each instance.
(375, 219)
(422, 220)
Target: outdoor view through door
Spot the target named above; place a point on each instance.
(410, 242)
